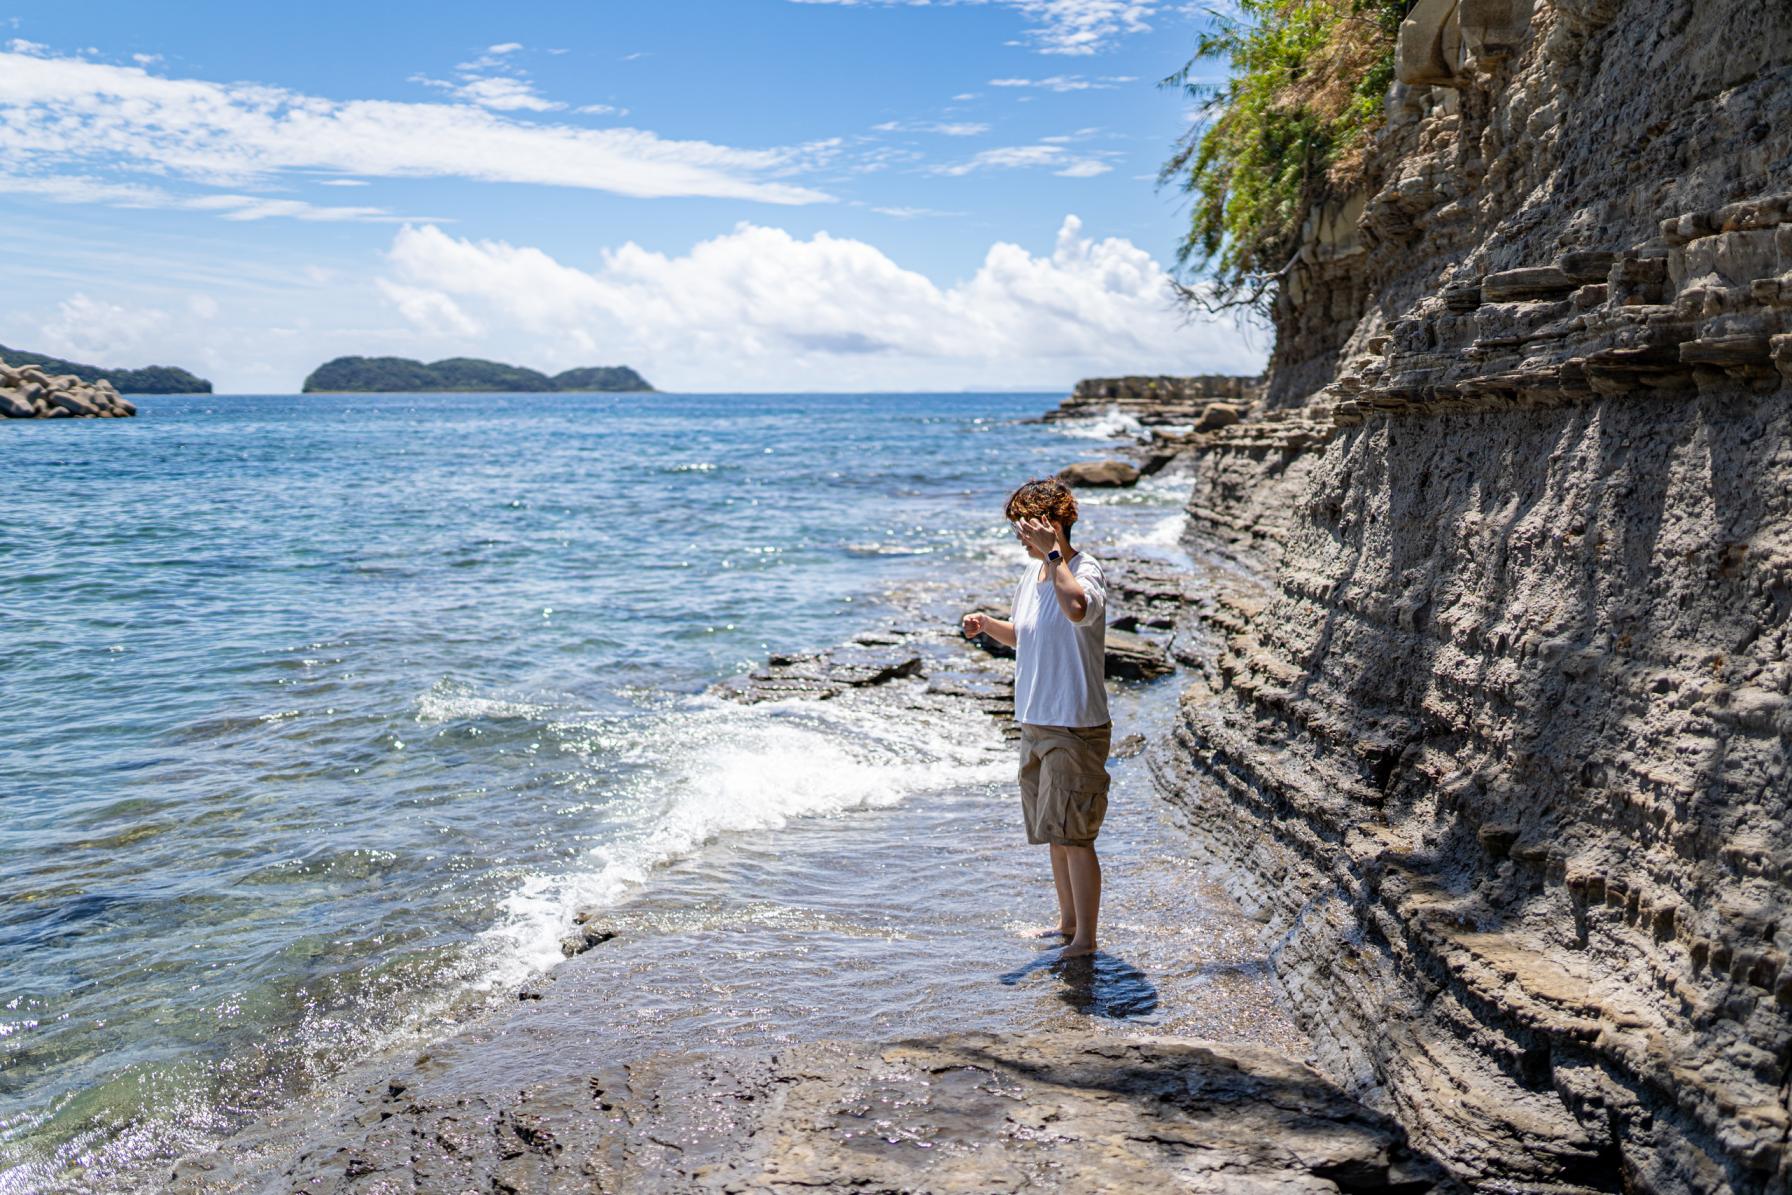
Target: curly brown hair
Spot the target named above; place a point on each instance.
(1043, 498)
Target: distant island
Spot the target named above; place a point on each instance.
(153, 379)
(398, 375)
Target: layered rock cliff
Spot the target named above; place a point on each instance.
(1493, 729)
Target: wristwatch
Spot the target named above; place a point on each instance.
(1054, 555)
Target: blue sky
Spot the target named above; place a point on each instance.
(734, 194)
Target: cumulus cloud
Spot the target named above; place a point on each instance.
(760, 307)
(1056, 26)
(58, 113)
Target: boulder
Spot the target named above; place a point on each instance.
(1134, 657)
(1216, 415)
(14, 405)
(71, 402)
(1092, 474)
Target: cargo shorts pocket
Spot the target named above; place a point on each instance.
(1085, 808)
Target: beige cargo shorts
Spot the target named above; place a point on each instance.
(1064, 782)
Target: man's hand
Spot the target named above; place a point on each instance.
(982, 624)
(1041, 535)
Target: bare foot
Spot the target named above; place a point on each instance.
(1060, 932)
(1077, 949)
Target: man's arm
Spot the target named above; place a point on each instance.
(1044, 536)
(996, 628)
(1071, 598)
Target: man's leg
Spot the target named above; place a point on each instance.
(1066, 902)
(1085, 893)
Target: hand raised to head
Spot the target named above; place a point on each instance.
(1041, 535)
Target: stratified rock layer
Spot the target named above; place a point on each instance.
(1493, 725)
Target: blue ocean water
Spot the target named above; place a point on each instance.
(324, 712)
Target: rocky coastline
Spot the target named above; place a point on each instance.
(27, 392)
(1088, 1106)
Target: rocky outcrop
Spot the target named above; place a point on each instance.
(1493, 724)
(27, 392)
(1160, 400)
(966, 1112)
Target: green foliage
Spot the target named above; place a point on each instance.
(154, 379)
(611, 378)
(400, 375)
(1305, 88)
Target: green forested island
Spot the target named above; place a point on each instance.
(389, 375)
(153, 379)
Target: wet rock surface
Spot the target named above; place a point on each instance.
(963, 1112)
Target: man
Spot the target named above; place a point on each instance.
(1059, 636)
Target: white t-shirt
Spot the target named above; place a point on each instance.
(1059, 664)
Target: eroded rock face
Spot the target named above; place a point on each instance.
(27, 392)
(1494, 724)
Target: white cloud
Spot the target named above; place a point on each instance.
(19, 45)
(1063, 83)
(502, 93)
(912, 213)
(79, 189)
(1051, 152)
(431, 311)
(1007, 157)
(965, 128)
(1056, 26)
(508, 47)
(85, 328)
(760, 307)
(67, 114)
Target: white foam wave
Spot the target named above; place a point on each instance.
(449, 701)
(1112, 424)
(1163, 533)
(714, 768)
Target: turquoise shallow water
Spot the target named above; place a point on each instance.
(323, 713)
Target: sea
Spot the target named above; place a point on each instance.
(323, 715)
